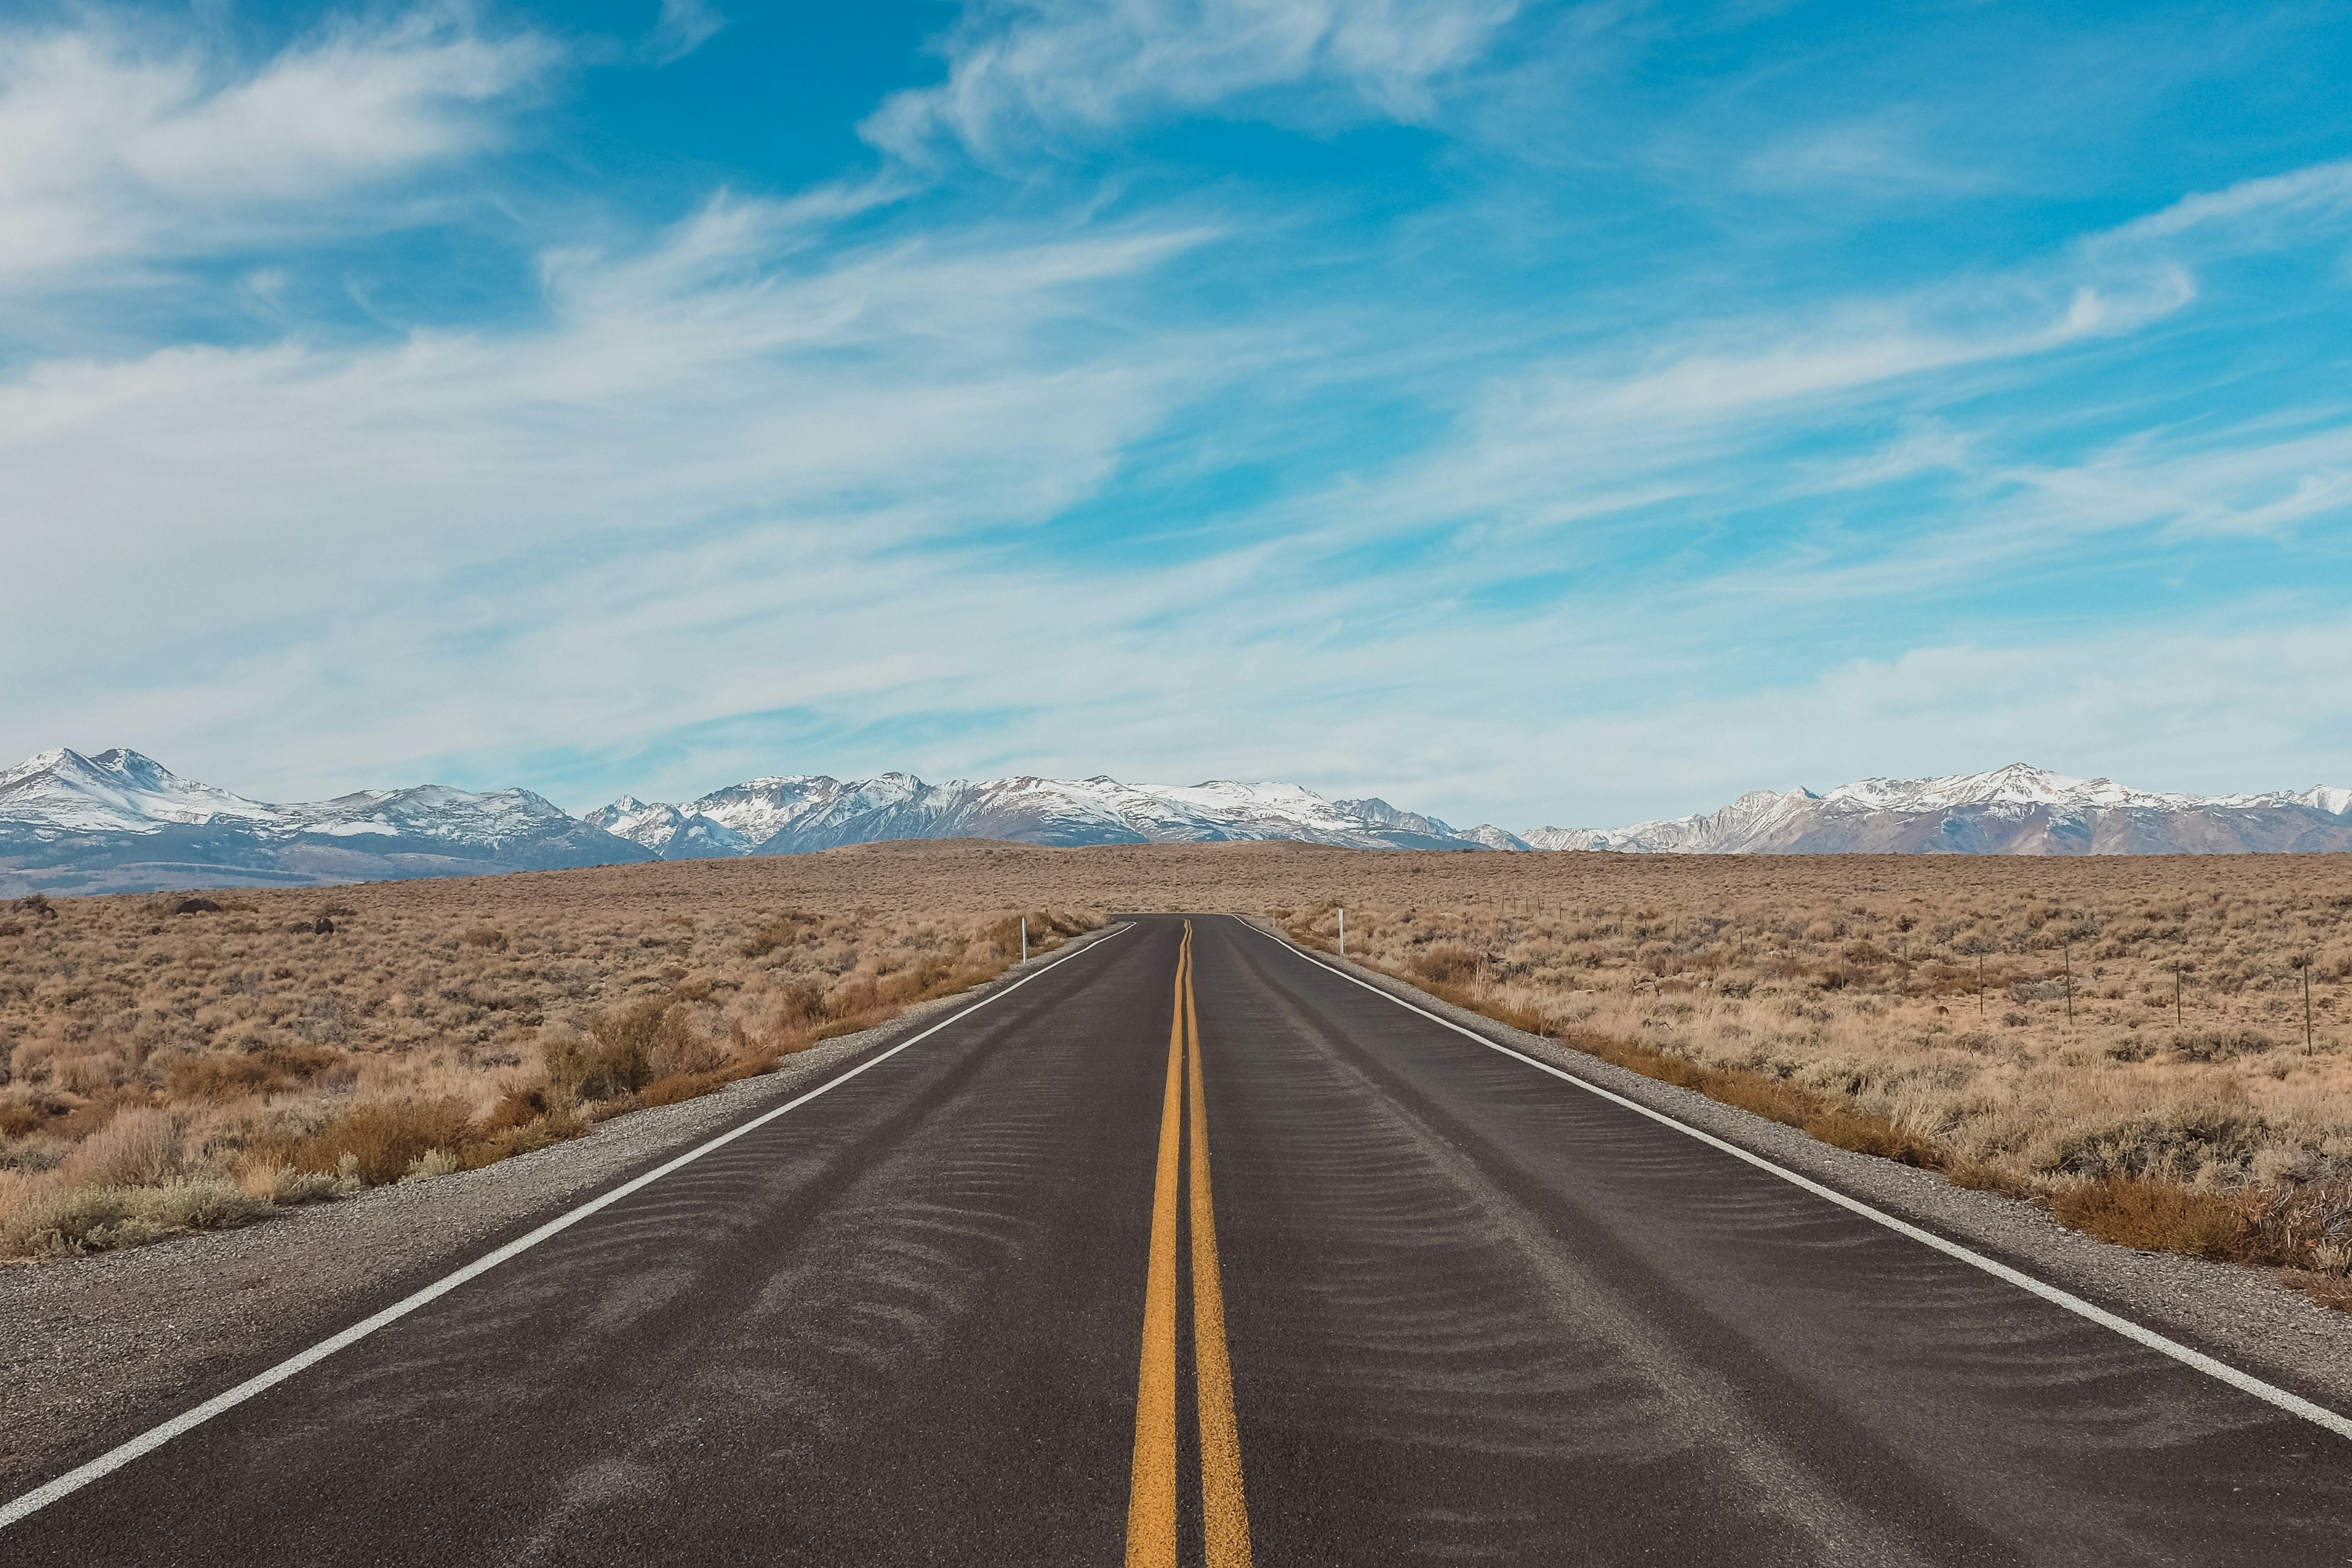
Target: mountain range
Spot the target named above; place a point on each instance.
(119, 822)
(2014, 810)
(798, 813)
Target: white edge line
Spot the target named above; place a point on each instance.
(2294, 1403)
(157, 1436)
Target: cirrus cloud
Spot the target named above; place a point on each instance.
(119, 148)
(1021, 70)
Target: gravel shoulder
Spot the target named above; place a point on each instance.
(94, 1349)
(2238, 1315)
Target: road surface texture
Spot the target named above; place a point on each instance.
(1189, 1249)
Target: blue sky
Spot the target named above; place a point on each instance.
(1549, 415)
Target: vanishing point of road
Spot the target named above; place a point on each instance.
(1189, 1250)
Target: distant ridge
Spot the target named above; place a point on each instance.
(2014, 810)
(798, 813)
(120, 822)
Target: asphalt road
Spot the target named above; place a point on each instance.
(1312, 1281)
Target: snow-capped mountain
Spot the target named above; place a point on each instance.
(667, 830)
(795, 815)
(2016, 809)
(119, 822)
(115, 791)
(758, 810)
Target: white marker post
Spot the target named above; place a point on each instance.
(1343, 931)
(1025, 938)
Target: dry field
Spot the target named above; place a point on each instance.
(2158, 1048)
(168, 1070)
(1912, 1007)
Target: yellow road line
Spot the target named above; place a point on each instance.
(1151, 1489)
(1224, 1516)
(1152, 1486)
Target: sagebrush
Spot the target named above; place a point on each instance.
(160, 1056)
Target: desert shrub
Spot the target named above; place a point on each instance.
(18, 1118)
(85, 1219)
(487, 936)
(2220, 1045)
(617, 1057)
(491, 1145)
(2304, 1224)
(518, 1107)
(2174, 1143)
(682, 1049)
(432, 1163)
(197, 1203)
(285, 1185)
(140, 1147)
(99, 1218)
(225, 1076)
(777, 932)
(2154, 1216)
(1447, 963)
(800, 1006)
(678, 1086)
(382, 1141)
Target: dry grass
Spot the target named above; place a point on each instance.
(1837, 994)
(2014, 1023)
(169, 1071)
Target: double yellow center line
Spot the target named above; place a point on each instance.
(1151, 1494)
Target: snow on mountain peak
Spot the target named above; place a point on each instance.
(2323, 798)
(116, 792)
(121, 792)
(2018, 784)
(801, 813)
(84, 803)
(2016, 809)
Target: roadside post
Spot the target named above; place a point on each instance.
(1343, 931)
(1025, 938)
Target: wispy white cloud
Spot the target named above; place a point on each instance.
(2228, 482)
(118, 147)
(1025, 71)
(1618, 429)
(2251, 208)
(684, 26)
(723, 429)
(1600, 439)
(1879, 156)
